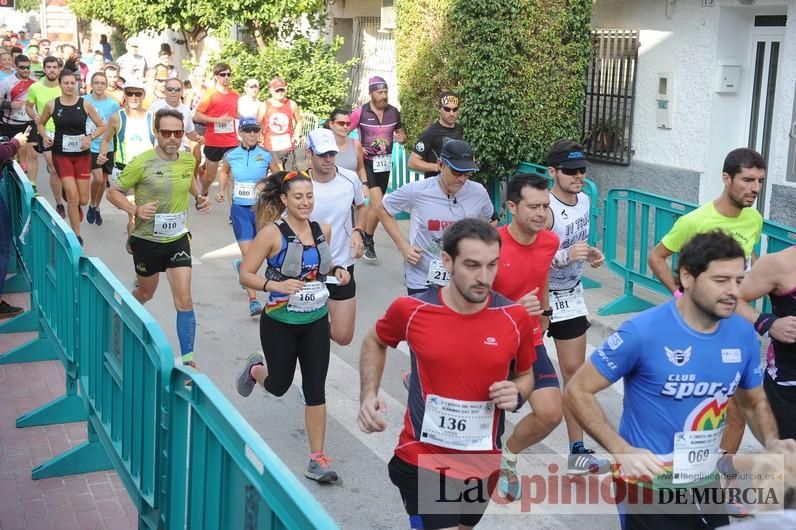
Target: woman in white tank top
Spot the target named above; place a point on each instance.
(349, 155)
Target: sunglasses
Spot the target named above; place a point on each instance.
(173, 89)
(177, 133)
(20, 67)
(130, 94)
(280, 90)
(224, 74)
(450, 109)
(572, 171)
(455, 172)
(343, 123)
(251, 130)
(328, 154)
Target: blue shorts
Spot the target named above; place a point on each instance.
(243, 223)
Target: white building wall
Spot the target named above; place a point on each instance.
(691, 42)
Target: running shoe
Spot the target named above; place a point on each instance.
(370, 248)
(245, 383)
(255, 308)
(236, 265)
(320, 469)
(584, 462)
(97, 217)
(9, 311)
(509, 484)
(91, 214)
(61, 210)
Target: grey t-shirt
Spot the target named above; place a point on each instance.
(431, 211)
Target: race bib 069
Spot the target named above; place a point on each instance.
(695, 455)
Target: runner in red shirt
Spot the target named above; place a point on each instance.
(525, 257)
(218, 109)
(452, 423)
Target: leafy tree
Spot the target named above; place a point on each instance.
(27, 5)
(519, 66)
(318, 82)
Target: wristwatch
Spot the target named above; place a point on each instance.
(547, 312)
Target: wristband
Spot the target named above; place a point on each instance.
(334, 269)
(360, 230)
(265, 285)
(764, 322)
(520, 402)
(364, 183)
(547, 312)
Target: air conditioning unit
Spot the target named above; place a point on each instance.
(387, 15)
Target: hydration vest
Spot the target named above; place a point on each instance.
(293, 259)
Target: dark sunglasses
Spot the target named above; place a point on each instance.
(572, 171)
(224, 74)
(450, 109)
(328, 154)
(342, 123)
(251, 130)
(178, 133)
(455, 172)
(173, 89)
(20, 67)
(280, 90)
(130, 94)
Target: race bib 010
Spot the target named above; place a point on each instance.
(170, 224)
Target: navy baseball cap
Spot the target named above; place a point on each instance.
(248, 122)
(566, 154)
(459, 155)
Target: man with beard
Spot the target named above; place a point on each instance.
(162, 181)
(13, 98)
(114, 90)
(39, 94)
(280, 118)
(680, 363)
(743, 175)
(472, 351)
(429, 146)
(379, 124)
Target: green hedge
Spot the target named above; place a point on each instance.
(519, 66)
(318, 82)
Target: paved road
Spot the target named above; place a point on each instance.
(226, 335)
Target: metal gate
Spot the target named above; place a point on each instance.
(375, 49)
(610, 96)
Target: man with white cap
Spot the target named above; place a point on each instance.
(132, 64)
(336, 190)
(248, 104)
(434, 204)
(379, 124)
(281, 121)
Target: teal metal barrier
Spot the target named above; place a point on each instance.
(17, 194)
(400, 173)
(125, 361)
(54, 254)
(221, 473)
(648, 218)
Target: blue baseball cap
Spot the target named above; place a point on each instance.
(248, 122)
(459, 155)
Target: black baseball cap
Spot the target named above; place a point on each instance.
(459, 155)
(566, 154)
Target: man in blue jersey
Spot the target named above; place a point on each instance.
(107, 107)
(243, 167)
(681, 362)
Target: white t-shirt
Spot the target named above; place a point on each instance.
(431, 211)
(247, 107)
(333, 202)
(187, 117)
(570, 224)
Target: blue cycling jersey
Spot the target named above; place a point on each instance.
(677, 380)
(106, 108)
(247, 166)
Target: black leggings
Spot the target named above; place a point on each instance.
(284, 344)
(783, 404)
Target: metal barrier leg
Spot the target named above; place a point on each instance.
(16, 284)
(627, 303)
(68, 408)
(24, 323)
(588, 283)
(84, 458)
(33, 351)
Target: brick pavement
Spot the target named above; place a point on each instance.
(92, 501)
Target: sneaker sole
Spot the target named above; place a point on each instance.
(325, 478)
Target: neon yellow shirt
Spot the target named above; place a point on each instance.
(165, 181)
(39, 95)
(745, 228)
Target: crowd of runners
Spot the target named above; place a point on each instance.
(479, 299)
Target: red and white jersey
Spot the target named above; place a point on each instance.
(14, 89)
(455, 357)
